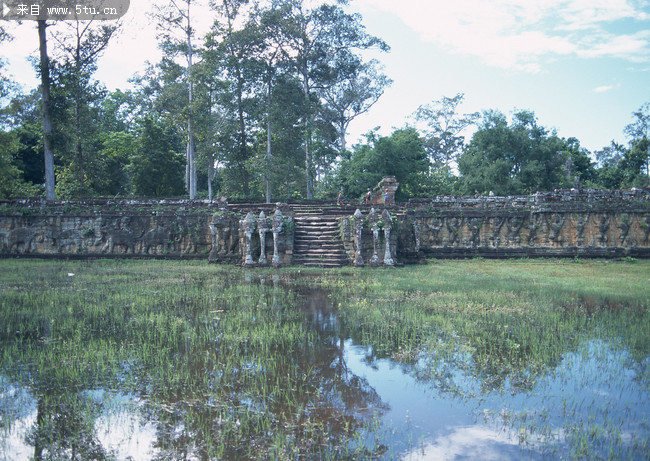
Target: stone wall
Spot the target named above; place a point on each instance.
(140, 229)
(587, 223)
(106, 228)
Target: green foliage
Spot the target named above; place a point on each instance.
(519, 158)
(443, 139)
(156, 170)
(401, 155)
(11, 183)
(69, 185)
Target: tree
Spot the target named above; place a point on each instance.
(579, 166)
(177, 16)
(80, 46)
(401, 154)
(520, 158)
(639, 134)
(287, 166)
(320, 38)
(610, 156)
(358, 87)
(45, 107)
(156, 169)
(231, 46)
(443, 137)
(634, 162)
(10, 175)
(273, 54)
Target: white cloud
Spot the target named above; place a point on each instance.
(475, 442)
(603, 89)
(522, 34)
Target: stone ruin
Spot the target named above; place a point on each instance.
(568, 223)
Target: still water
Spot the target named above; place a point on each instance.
(596, 399)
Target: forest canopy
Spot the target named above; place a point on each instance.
(259, 109)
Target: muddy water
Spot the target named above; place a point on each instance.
(592, 400)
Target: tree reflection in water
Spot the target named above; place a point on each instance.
(227, 364)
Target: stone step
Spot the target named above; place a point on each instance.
(303, 248)
(318, 241)
(322, 264)
(316, 223)
(316, 228)
(341, 257)
(325, 231)
(316, 253)
(308, 245)
(315, 238)
(318, 261)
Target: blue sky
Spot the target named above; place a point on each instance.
(583, 66)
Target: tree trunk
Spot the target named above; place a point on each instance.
(243, 150)
(342, 141)
(210, 178)
(191, 161)
(77, 110)
(308, 128)
(47, 117)
(268, 143)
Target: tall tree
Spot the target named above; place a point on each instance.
(76, 99)
(45, 107)
(401, 154)
(358, 87)
(80, 45)
(233, 43)
(156, 168)
(175, 21)
(273, 54)
(639, 134)
(319, 37)
(443, 136)
(579, 166)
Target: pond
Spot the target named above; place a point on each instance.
(161, 360)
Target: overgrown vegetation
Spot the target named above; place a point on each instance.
(227, 364)
(258, 108)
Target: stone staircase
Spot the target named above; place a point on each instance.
(317, 239)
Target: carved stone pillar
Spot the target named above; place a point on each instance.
(248, 224)
(215, 249)
(388, 223)
(262, 229)
(358, 230)
(277, 228)
(373, 219)
(416, 233)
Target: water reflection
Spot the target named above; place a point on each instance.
(245, 382)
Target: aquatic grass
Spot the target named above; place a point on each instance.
(228, 365)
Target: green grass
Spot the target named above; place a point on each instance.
(225, 354)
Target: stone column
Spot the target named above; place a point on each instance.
(219, 222)
(388, 222)
(358, 229)
(373, 219)
(262, 229)
(214, 250)
(277, 228)
(248, 225)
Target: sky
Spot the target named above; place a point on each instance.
(582, 66)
